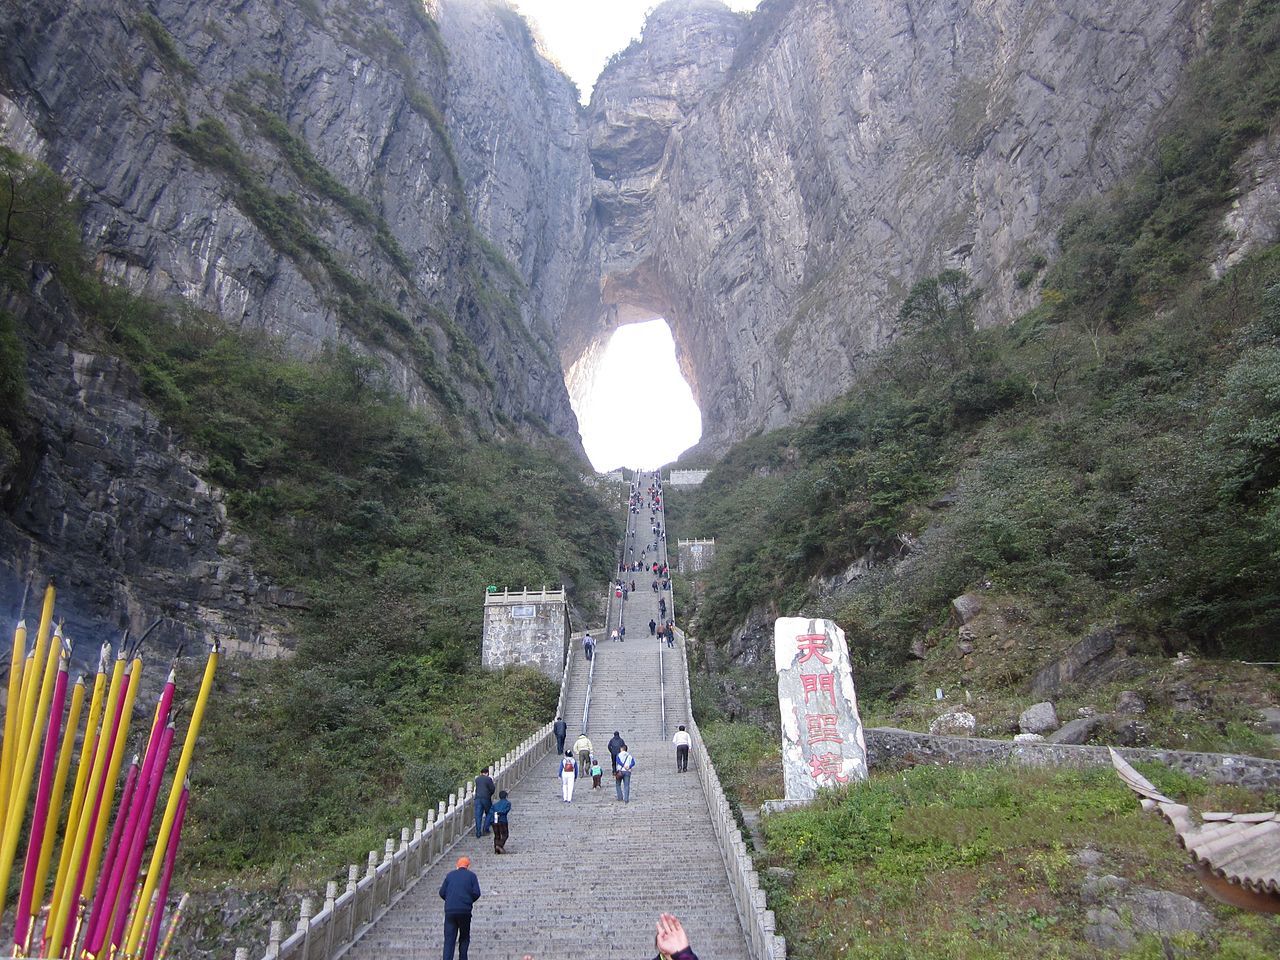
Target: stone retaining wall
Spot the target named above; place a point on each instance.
(890, 747)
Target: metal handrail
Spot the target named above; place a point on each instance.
(671, 607)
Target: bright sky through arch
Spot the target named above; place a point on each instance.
(640, 411)
(583, 34)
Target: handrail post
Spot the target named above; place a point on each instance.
(304, 925)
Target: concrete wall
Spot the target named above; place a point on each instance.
(694, 555)
(530, 629)
(687, 478)
(889, 747)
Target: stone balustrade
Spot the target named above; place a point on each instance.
(325, 933)
(757, 919)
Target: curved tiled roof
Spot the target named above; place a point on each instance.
(1241, 848)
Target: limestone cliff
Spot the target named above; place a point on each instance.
(773, 185)
(287, 165)
(326, 170)
(418, 181)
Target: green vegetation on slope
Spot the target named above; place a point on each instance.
(1112, 454)
(947, 862)
(388, 524)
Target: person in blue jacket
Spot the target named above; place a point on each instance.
(459, 891)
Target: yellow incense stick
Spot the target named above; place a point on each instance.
(12, 710)
(30, 687)
(87, 747)
(171, 808)
(113, 774)
(18, 801)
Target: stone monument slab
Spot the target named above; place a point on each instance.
(822, 740)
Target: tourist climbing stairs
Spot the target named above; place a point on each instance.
(586, 880)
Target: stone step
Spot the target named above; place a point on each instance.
(586, 880)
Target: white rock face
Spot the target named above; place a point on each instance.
(954, 723)
(822, 740)
(1040, 718)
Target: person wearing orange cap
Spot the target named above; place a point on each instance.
(459, 891)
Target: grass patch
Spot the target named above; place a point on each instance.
(165, 47)
(976, 863)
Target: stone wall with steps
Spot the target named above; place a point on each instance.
(888, 746)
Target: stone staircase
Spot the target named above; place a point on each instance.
(587, 880)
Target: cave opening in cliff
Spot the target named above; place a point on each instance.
(634, 406)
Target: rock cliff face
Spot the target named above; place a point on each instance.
(325, 170)
(773, 186)
(287, 165)
(113, 509)
(419, 182)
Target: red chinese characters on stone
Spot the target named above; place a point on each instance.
(827, 765)
(822, 728)
(818, 683)
(811, 646)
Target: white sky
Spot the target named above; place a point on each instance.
(641, 412)
(583, 34)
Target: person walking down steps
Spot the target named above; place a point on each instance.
(568, 774)
(460, 891)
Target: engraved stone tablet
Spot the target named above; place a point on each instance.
(822, 741)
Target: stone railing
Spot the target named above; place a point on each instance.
(325, 934)
(757, 919)
(889, 747)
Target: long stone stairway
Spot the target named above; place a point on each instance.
(587, 879)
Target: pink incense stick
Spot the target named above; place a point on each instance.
(122, 828)
(41, 815)
(108, 744)
(114, 864)
(138, 843)
(162, 892)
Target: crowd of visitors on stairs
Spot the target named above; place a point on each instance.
(461, 887)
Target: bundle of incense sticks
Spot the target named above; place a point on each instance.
(101, 901)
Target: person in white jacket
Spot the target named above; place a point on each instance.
(682, 741)
(568, 774)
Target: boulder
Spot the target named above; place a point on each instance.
(954, 723)
(1078, 730)
(1079, 661)
(1039, 718)
(966, 606)
(918, 649)
(1123, 913)
(965, 648)
(1130, 702)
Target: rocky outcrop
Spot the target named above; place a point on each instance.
(287, 165)
(1254, 218)
(774, 186)
(521, 142)
(112, 508)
